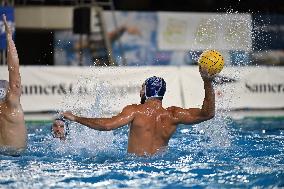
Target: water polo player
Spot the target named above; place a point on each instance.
(60, 128)
(13, 133)
(151, 125)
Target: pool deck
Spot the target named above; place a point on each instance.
(241, 114)
(234, 114)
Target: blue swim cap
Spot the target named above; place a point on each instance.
(155, 87)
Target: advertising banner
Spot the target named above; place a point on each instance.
(105, 90)
(238, 88)
(199, 31)
(261, 88)
(135, 43)
(161, 38)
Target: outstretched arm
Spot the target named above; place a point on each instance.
(197, 115)
(13, 64)
(105, 124)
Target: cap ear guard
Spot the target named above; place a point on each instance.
(3, 93)
(3, 89)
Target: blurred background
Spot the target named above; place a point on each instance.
(64, 34)
(51, 34)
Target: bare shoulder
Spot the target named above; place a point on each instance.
(174, 109)
(130, 108)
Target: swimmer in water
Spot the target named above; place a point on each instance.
(60, 129)
(13, 132)
(152, 125)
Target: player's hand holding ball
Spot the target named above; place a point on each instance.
(210, 62)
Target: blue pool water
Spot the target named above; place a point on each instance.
(247, 153)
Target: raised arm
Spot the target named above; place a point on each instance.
(13, 63)
(105, 124)
(197, 115)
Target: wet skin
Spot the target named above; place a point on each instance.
(13, 133)
(152, 125)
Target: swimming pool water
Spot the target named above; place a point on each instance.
(247, 153)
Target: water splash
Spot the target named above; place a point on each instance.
(245, 33)
(83, 140)
(240, 30)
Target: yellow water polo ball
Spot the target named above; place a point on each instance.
(212, 60)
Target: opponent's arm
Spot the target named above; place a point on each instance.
(13, 64)
(105, 124)
(197, 115)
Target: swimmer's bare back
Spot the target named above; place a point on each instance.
(151, 125)
(13, 133)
